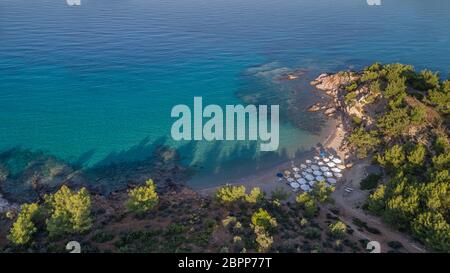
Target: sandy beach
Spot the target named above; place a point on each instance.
(266, 179)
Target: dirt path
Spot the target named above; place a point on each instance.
(349, 206)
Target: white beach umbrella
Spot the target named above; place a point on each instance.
(308, 161)
(305, 187)
(295, 169)
(331, 157)
(338, 175)
(290, 179)
(340, 166)
(336, 170)
(331, 164)
(295, 185)
(331, 180)
(317, 158)
(287, 173)
(317, 173)
(302, 181)
(304, 173)
(320, 163)
(320, 178)
(337, 160)
(309, 177)
(309, 170)
(315, 167)
(324, 169)
(296, 175)
(303, 166)
(326, 159)
(328, 174)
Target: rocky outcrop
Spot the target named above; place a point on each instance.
(331, 83)
(357, 104)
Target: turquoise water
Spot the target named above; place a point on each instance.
(87, 84)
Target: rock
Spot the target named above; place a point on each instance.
(314, 108)
(333, 82)
(330, 111)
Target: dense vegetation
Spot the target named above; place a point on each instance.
(234, 221)
(409, 139)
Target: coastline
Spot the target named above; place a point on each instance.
(266, 179)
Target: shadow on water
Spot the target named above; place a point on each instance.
(26, 175)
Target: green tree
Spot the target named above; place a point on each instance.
(230, 193)
(337, 229)
(263, 239)
(402, 207)
(70, 212)
(263, 219)
(393, 159)
(426, 80)
(395, 91)
(142, 199)
(376, 201)
(23, 228)
(321, 192)
(307, 202)
(433, 230)
(363, 142)
(255, 196)
(437, 196)
(394, 123)
(418, 115)
(442, 161)
(441, 144)
(417, 156)
(440, 99)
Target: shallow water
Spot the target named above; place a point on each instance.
(91, 83)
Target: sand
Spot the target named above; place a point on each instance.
(266, 179)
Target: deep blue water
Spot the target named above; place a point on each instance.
(89, 83)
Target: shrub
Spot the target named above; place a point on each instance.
(69, 211)
(352, 87)
(433, 229)
(376, 200)
(394, 123)
(142, 199)
(321, 192)
(228, 220)
(262, 218)
(363, 142)
(24, 227)
(255, 196)
(418, 115)
(337, 229)
(350, 98)
(263, 239)
(229, 194)
(441, 144)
